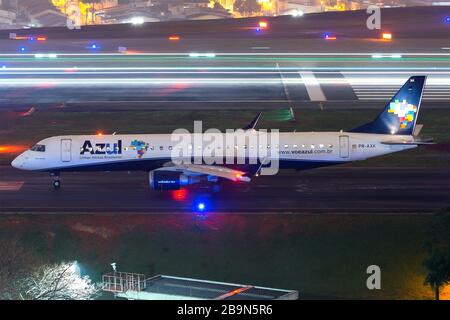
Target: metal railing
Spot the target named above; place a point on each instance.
(123, 281)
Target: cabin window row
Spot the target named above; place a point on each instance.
(286, 146)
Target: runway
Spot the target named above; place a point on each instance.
(225, 63)
(230, 66)
(342, 189)
(165, 80)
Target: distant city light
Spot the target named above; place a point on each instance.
(137, 20)
(41, 38)
(174, 38)
(263, 25)
(297, 13)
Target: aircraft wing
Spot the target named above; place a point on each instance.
(202, 169)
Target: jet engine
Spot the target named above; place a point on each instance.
(169, 180)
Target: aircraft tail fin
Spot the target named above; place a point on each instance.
(400, 115)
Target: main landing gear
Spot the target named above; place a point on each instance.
(56, 182)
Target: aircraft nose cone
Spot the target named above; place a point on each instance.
(17, 162)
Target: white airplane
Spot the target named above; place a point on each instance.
(393, 130)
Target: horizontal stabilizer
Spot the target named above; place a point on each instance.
(415, 142)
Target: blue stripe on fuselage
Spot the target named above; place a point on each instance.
(152, 164)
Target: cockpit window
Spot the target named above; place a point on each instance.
(38, 148)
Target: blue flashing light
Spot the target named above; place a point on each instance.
(22, 49)
(201, 206)
(447, 19)
(258, 29)
(94, 46)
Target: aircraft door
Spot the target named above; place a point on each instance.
(343, 147)
(66, 150)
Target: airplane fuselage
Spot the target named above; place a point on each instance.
(298, 150)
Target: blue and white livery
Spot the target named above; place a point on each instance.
(393, 130)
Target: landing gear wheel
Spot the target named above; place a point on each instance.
(56, 184)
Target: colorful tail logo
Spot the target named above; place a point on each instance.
(404, 111)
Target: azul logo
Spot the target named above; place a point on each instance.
(140, 146)
(102, 148)
(404, 111)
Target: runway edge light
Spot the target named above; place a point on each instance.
(386, 36)
(201, 206)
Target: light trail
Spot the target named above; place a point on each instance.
(234, 81)
(186, 54)
(324, 70)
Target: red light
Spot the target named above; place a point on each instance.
(99, 134)
(174, 38)
(328, 37)
(179, 195)
(41, 38)
(263, 25)
(238, 176)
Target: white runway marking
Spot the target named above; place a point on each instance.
(312, 86)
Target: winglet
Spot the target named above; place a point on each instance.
(252, 125)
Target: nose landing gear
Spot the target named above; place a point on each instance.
(56, 181)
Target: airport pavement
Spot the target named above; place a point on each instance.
(168, 80)
(394, 190)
